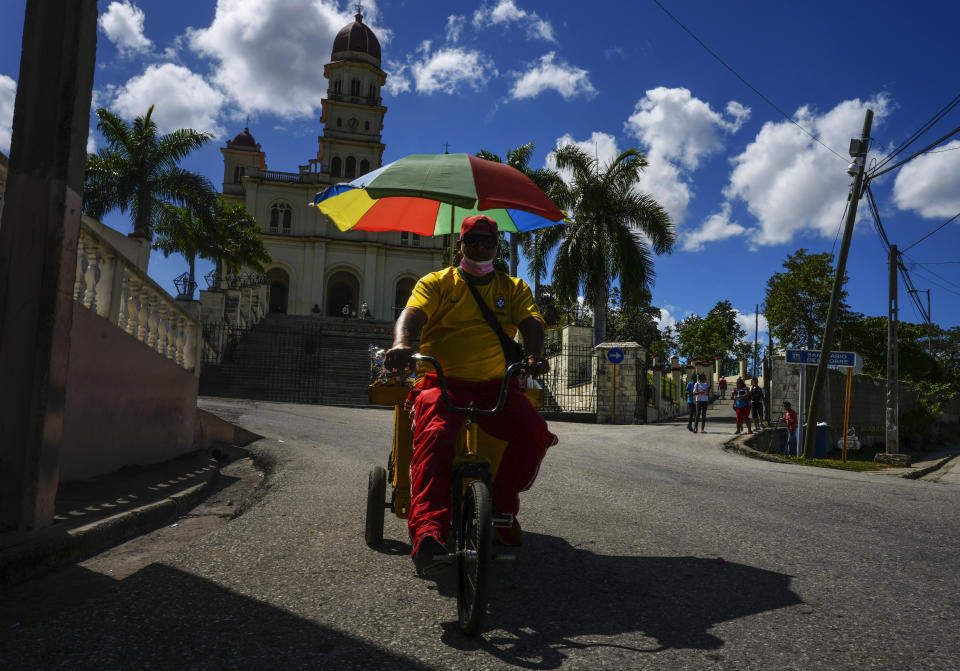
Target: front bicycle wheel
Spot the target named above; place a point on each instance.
(473, 557)
(376, 504)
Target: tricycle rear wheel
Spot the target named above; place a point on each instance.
(473, 557)
(376, 504)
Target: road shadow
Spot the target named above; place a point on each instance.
(163, 618)
(555, 593)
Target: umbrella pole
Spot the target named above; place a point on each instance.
(452, 245)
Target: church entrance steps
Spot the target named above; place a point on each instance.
(300, 359)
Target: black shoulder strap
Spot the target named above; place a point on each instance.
(491, 319)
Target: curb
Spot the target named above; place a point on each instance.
(733, 445)
(935, 466)
(53, 547)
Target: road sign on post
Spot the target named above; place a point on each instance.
(811, 357)
(615, 356)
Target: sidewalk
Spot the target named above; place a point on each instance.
(95, 514)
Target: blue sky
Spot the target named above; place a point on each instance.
(744, 185)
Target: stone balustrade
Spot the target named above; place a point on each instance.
(111, 285)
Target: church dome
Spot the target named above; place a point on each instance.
(356, 41)
(244, 139)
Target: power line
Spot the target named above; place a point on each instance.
(932, 232)
(876, 174)
(749, 85)
(943, 111)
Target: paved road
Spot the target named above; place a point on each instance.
(646, 547)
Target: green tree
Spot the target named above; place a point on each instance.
(716, 335)
(544, 178)
(236, 241)
(797, 299)
(225, 234)
(613, 224)
(632, 322)
(867, 336)
(138, 171)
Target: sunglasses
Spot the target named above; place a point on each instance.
(488, 241)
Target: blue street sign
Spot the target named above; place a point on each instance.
(615, 355)
(811, 357)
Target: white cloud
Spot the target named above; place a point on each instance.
(181, 99)
(717, 227)
(270, 53)
(455, 25)
(676, 125)
(446, 68)
(677, 131)
(506, 12)
(600, 145)
(567, 80)
(397, 79)
(8, 95)
(747, 323)
(666, 319)
(792, 184)
(930, 184)
(123, 25)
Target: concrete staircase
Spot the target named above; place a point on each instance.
(299, 359)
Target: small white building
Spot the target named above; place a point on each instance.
(314, 263)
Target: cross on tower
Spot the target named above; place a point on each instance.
(359, 8)
(446, 147)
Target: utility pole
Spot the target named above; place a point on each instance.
(858, 150)
(38, 251)
(893, 361)
(756, 332)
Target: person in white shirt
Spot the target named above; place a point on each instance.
(701, 394)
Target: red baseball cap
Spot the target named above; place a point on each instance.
(478, 223)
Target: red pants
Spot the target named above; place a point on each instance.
(743, 415)
(434, 440)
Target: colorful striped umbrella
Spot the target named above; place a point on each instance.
(431, 194)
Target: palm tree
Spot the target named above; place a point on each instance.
(181, 231)
(227, 235)
(544, 178)
(613, 228)
(236, 239)
(139, 170)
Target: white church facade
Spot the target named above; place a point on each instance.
(315, 267)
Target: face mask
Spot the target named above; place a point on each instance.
(476, 269)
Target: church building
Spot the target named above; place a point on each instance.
(316, 266)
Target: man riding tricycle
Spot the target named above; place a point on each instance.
(474, 439)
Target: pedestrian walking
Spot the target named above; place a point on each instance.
(723, 387)
(756, 404)
(741, 402)
(691, 406)
(701, 392)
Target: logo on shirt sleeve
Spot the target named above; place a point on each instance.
(501, 301)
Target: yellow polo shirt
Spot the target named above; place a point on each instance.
(456, 334)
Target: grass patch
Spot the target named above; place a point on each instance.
(861, 460)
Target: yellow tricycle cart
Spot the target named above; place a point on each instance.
(478, 455)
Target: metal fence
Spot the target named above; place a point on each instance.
(299, 365)
(569, 391)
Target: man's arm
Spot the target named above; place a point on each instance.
(531, 329)
(405, 332)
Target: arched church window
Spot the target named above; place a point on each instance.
(281, 218)
(351, 168)
(354, 87)
(366, 125)
(238, 173)
(364, 167)
(372, 94)
(339, 121)
(338, 86)
(335, 167)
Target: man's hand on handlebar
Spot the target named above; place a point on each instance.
(537, 365)
(397, 358)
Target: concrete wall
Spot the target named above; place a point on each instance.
(125, 403)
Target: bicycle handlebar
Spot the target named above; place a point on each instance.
(471, 410)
